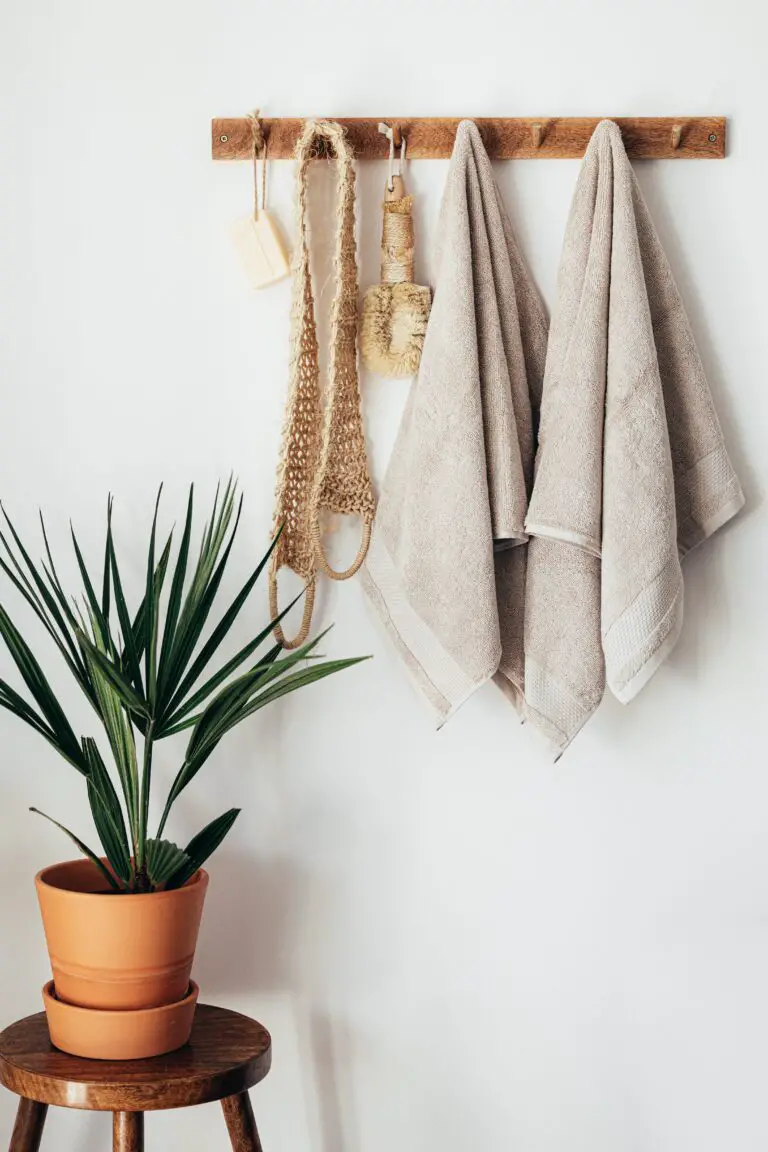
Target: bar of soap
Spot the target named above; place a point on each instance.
(261, 249)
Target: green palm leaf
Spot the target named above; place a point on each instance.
(202, 846)
(86, 851)
(238, 701)
(16, 704)
(113, 674)
(43, 603)
(202, 591)
(117, 726)
(139, 619)
(130, 657)
(61, 731)
(164, 859)
(107, 813)
(141, 675)
(152, 610)
(176, 594)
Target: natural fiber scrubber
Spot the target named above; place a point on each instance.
(324, 465)
(395, 312)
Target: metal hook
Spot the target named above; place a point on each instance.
(389, 132)
(677, 135)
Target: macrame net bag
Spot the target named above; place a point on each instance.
(324, 465)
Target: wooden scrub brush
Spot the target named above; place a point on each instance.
(395, 312)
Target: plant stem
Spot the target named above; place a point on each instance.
(146, 780)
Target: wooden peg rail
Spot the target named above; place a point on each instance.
(531, 138)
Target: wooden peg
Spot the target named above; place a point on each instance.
(677, 135)
(396, 136)
(537, 131)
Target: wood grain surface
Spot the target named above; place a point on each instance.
(241, 1124)
(128, 1132)
(530, 138)
(227, 1054)
(28, 1129)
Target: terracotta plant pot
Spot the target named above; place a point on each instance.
(101, 1035)
(118, 953)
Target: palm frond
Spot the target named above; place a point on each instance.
(140, 673)
(152, 610)
(86, 851)
(62, 735)
(201, 847)
(176, 593)
(242, 698)
(110, 670)
(164, 860)
(107, 813)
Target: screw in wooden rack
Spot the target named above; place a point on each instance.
(712, 137)
(224, 138)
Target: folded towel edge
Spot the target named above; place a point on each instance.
(565, 536)
(552, 707)
(647, 630)
(696, 533)
(433, 670)
(633, 686)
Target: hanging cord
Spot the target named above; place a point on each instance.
(397, 236)
(260, 149)
(389, 132)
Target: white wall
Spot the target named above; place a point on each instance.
(456, 944)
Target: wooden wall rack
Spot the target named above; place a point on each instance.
(529, 138)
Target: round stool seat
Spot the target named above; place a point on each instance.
(227, 1053)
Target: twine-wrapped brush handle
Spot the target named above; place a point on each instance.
(397, 235)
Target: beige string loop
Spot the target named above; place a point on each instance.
(356, 563)
(388, 131)
(324, 466)
(260, 148)
(306, 619)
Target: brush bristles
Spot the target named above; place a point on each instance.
(392, 328)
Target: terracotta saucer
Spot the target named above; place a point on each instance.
(119, 1035)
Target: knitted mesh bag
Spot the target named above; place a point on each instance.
(323, 466)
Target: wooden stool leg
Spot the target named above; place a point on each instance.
(28, 1129)
(241, 1125)
(128, 1132)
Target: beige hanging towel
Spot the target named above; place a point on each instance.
(446, 567)
(631, 469)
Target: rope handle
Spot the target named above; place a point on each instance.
(322, 559)
(260, 149)
(306, 619)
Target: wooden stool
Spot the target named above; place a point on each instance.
(227, 1054)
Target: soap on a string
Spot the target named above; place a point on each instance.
(261, 249)
(257, 237)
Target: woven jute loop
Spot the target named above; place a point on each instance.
(322, 559)
(324, 466)
(274, 609)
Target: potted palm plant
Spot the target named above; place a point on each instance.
(121, 923)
